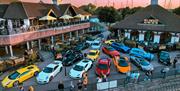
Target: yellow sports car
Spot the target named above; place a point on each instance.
(109, 42)
(20, 76)
(93, 54)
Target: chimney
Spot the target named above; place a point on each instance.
(56, 2)
(154, 2)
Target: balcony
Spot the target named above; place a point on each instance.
(40, 32)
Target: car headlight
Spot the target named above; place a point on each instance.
(47, 78)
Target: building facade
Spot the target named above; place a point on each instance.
(152, 24)
(26, 23)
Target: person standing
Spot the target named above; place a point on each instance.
(85, 80)
(21, 88)
(174, 62)
(61, 86)
(72, 86)
(79, 85)
(31, 88)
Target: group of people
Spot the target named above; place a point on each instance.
(102, 78)
(80, 84)
(21, 88)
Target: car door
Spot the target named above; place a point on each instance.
(86, 67)
(56, 70)
(24, 76)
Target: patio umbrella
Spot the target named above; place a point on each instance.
(79, 16)
(66, 17)
(47, 18)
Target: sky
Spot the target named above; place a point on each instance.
(170, 4)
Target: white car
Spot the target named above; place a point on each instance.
(96, 45)
(49, 72)
(78, 70)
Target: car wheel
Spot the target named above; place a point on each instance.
(36, 73)
(51, 78)
(16, 83)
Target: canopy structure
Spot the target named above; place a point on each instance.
(66, 17)
(47, 18)
(2, 19)
(79, 16)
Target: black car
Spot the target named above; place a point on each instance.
(71, 57)
(152, 47)
(81, 46)
(165, 58)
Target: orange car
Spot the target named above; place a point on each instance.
(122, 64)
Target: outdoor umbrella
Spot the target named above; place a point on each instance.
(47, 18)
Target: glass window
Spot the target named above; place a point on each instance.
(48, 70)
(102, 66)
(78, 68)
(14, 75)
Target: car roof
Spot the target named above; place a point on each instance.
(93, 51)
(81, 63)
(103, 60)
(52, 65)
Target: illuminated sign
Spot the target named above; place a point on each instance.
(151, 21)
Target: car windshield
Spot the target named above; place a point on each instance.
(102, 66)
(14, 75)
(123, 63)
(92, 53)
(110, 48)
(164, 54)
(78, 68)
(144, 63)
(96, 44)
(47, 70)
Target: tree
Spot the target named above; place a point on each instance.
(177, 11)
(90, 8)
(127, 11)
(107, 14)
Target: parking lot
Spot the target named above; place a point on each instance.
(64, 76)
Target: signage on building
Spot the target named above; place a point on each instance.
(151, 21)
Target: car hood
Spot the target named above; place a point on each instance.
(125, 48)
(43, 76)
(75, 74)
(104, 71)
(7, 81)
(149, 56)
(149, 67)
(114, 53)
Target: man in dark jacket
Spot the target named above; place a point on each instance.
(61, 86)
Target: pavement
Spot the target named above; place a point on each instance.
(64, 76)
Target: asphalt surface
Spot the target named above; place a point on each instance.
(64, 76)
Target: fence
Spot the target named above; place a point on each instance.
(111, 83)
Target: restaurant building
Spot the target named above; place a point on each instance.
(30, 24)
(152, 23)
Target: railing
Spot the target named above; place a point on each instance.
(121, 81)
(22, 29)
(33, 34)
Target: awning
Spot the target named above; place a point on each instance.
(47, 18)
(79, 16)
(66, 17)
(1, 19)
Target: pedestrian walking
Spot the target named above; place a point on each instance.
(99, 79)
(164, 72)
(61, 86)
(104, 79)
(79, 85)
(85, 82)
(30, 88)
(72, 86)
(128, 77)
(174, 62)
(21, 88)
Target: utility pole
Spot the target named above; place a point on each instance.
(164, 3)
(126, 3)
(132, 3)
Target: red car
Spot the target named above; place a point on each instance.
(110, 51)
(103, 66)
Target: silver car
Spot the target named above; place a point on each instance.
(142, 63)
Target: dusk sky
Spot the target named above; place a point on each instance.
(117, 3)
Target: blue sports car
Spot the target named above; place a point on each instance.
(120, 47)
(141, 53)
